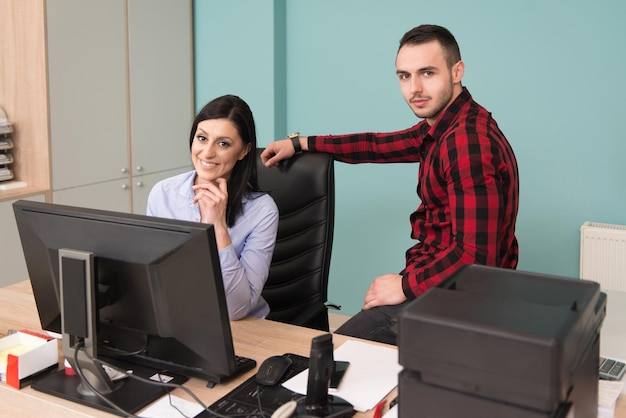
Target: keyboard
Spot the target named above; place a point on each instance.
(611, 369)
(243, 364)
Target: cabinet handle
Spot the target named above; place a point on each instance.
(125, 186)
(124, 170)
(139, 168)
(140, 184)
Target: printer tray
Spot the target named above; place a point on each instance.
(438, 402)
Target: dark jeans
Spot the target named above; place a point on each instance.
(375, 324)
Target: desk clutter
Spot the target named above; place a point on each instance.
(6, 145)
(266, 393)
(26, 356)
(263, 394)
(251, 399)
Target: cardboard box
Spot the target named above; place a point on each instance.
(26, 355)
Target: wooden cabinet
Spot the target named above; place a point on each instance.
(88, 99)
(124, 106)
(23, 93)
(100, 94)
(99, 195)
(161, 84)
(143, 185)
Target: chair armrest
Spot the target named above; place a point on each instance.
(316, 316)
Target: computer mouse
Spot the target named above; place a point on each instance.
(272, 370)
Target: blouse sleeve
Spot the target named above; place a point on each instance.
(244, 275)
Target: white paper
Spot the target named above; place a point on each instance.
(163, 409)
(608, 392)
(372, 374)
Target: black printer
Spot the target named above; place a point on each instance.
(494, 342)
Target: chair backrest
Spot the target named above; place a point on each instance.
(303, 187)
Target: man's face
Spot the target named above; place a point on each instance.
(426, 82)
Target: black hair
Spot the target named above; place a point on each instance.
(243, 179)
(428, 33)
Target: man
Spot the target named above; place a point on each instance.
(467, 181)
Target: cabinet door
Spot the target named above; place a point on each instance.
(113, 195)
(88, 91)
(143, 184)
(12, 264)
(161, 83)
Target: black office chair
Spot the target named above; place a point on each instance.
(303, 187)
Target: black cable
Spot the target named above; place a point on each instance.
(170, 400)
(96, 392)
(168, 385)
(154, 382)
(258, 398)
(151, 382)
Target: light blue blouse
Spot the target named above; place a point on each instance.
(245, 263)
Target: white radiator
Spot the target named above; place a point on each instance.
(603, 254)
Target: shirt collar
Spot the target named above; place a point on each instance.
(448, 117)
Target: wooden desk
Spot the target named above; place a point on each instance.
(254, 338)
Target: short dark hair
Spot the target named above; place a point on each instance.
(243, 179)
(428, 33)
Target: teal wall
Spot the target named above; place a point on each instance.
(549, 71)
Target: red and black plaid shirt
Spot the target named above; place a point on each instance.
(467, 182)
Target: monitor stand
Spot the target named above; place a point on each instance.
(132, 396)
(79, 324)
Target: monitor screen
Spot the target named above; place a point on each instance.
(160, 298)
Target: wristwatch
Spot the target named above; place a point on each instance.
(295, 140)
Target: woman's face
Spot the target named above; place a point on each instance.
(216, 148)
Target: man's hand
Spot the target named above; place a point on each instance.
(277, 151)
(385, 290)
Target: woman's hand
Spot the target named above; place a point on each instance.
(212, 200)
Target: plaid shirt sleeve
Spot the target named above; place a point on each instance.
(371, 147)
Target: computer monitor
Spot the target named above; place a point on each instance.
(159, 297)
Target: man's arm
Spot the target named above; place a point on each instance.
(365, 147)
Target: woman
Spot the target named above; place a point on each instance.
(222, 190)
